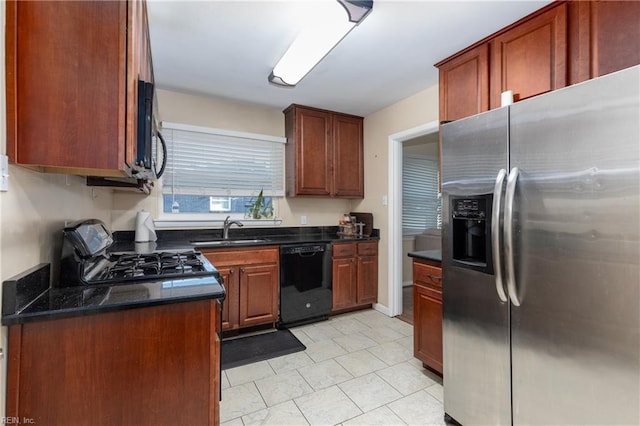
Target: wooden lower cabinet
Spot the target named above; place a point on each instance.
(354, 274)
(252, 281)
(427, 314)
(156, 365)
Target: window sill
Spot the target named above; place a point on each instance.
(207, 223)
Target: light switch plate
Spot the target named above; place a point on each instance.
(4, 173)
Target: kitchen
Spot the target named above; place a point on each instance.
(35, 208)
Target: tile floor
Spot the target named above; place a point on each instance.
(358, 369)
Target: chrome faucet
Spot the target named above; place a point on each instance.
(227, 225)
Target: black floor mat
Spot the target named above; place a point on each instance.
(245, 350)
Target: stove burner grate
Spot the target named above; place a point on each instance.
(163, 264)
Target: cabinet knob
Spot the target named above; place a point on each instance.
(230, 271)
(242, 270)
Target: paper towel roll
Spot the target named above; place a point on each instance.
(145, 248)
(506, 98)
(145, 230)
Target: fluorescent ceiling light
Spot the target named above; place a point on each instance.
(331, 24)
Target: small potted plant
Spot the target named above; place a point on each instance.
(260, 208)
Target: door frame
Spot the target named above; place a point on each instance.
(394, 225)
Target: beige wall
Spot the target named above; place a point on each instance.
(406, 114)
(223, 114)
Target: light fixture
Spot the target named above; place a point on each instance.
(315, 42)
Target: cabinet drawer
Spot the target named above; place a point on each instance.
(368, 248)
(344, 250)
(427, 290)
(427, 275)
(254, 256)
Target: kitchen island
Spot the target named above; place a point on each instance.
(143, 354)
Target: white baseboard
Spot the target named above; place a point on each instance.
(407, 283)
(381, 308)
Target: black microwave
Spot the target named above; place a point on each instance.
(145, 165)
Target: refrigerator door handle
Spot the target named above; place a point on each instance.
(495, 233)
(508, 235)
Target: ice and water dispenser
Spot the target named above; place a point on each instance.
(471, 232)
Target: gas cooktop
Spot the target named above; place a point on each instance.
(87, 259)
(128, 266)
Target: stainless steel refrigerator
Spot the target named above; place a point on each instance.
(541, 259)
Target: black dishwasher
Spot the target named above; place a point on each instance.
(305, 283)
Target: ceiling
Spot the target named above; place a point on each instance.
(228, 48)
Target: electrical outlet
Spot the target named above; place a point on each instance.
(303, 220)
(385, 200)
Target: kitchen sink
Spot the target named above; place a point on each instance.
(227, 242)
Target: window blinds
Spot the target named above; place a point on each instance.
(207, 161)
(420, 201)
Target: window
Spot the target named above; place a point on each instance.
(220, 172)
(421, 202)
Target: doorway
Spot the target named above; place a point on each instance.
(396, 245)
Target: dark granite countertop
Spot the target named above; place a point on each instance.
(242, 237)
(435, 255)
(28, 297)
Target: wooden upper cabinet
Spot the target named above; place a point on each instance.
(309, 151)
(72, 71)
(464, 84)
(605, 37)
(530, 58)
(324, 153)
(348, 156)
(563, 43)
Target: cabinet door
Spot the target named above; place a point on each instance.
(344, 283)
(427, 319)
(367, 279)
(313, 154)
(66, 86)
(230, 307)
(530, 58)
(348, 157)
(258, 294)
(464, 84)
(606, 37)
(151, 366)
